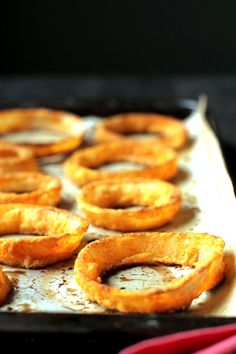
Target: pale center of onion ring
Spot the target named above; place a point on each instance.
(144, 276)
(36, 136)
(121, 166)
(20, 236)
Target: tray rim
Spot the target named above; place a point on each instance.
(147, 324)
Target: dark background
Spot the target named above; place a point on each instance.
(194, 41)
(106, 37)
(151, 49)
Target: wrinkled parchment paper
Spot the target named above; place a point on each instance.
(208, 206)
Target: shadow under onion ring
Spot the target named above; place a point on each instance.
(203, 252)
(58, 231)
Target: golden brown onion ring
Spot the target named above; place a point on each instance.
(17, 120)
(16, 158)
(159, 161)
(5, 286)
(203, 252)
(59, 234)
(168, 130)
(29, 187)
(159, 201)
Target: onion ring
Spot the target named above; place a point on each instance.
(203, 252)
(16, 158)
(159, 161)
(5, 286)
(62, 232)
(34, 188)
(168, 130)
(15, 120)
(160, 202)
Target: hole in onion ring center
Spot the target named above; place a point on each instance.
(121, 166)
(35, 136)
(20, 236)
(145, 276)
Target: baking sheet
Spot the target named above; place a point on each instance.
(208, 206)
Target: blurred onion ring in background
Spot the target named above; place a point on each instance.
(158, 161)
(69, 125)
(29, 187)
(16, 158)
(168, 130)
(159, 201)
(203, 252)
(5, 286)
(59, 231)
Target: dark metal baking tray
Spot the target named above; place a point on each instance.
(95, 328)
